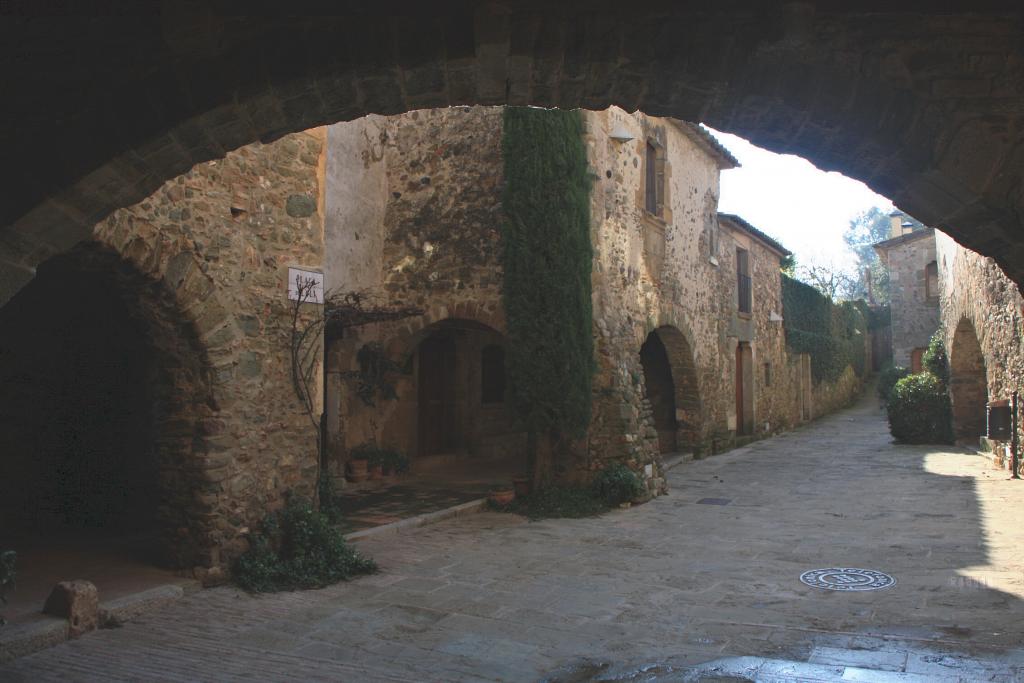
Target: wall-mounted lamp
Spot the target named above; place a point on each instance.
(621, 134)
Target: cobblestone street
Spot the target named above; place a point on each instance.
(664, 586)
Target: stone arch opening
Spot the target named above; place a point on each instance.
(106, 391)
(461, 405)
(968, 383)
(450, 406)
(671, 387)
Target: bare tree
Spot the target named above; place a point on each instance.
(830, 279)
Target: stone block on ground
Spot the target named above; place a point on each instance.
(78, 601)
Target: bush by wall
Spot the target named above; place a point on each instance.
(298, 547)
(547, 261)
(832, 334)
(934, 359)
(919, 410)
(887, 379)
(617, 484)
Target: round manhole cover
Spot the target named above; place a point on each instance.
(847, 579)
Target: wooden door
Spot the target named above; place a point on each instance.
(436, 396)
(739, 389)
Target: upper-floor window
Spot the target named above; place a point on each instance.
(711, 225)
(744, 295)
(492, 374)
(931, 281)
(654, 179)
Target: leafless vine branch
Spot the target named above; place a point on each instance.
(341, 312)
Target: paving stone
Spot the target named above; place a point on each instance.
(495, 597)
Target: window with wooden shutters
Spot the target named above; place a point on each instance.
(931, 282)
(652, 181)
(743, 285)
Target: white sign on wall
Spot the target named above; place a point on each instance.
(299, 279)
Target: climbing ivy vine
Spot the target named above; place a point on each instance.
(547, 260)
(833, 334)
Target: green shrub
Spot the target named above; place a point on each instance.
(388, 458)
(934, 359)
(617, 484)
(552, 502)
(919, 410)
(8, 558)
(297, 548)
(887, 379)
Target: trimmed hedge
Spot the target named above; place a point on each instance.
(888, 378)
(934, 359)
(832, 334)
(919, 410)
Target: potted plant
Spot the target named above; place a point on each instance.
(523, 486)
(357, 468)
(502, 494)
(396, 462)
(375, 468)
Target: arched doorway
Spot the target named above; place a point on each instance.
(100, 437)
(660, 391)
(744, 389)
(968, 383)
(438, 393)
(461, 407)
(671, 387)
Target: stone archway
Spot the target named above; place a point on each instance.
(660, 391)
(107, 393)
(671, 381)
(968, 383)
(883, 94)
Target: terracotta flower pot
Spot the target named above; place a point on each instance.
(502, 497)
(523, 486)
(356, 470)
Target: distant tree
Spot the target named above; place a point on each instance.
(866, 229)
(788, 265)
(829, 278)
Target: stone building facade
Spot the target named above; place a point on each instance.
(982, 318)
(913, 290)
(413, 218)
(174, 323)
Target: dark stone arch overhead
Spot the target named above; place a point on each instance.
(922, 101)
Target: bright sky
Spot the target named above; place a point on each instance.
(789, 198)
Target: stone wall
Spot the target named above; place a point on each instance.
(422, 228)
(979, 301)
(206, 259)
(676, 277)
(915, 309)
(422, 231)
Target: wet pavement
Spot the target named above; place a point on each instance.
(673, 590)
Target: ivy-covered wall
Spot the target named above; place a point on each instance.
(834, 335)
(547, 260)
